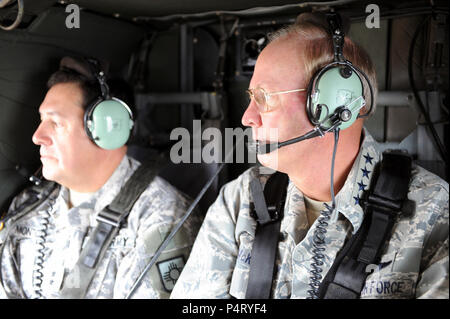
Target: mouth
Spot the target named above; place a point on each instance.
(264, 142)
(261, 147)
(260, 140)
(47, 157)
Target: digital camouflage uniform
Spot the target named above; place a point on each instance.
(413, 265)
(39, 249)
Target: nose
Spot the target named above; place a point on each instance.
(40, 136)
(251, 116)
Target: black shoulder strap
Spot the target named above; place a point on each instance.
(384, 203)
(109, 222)
(269, 210)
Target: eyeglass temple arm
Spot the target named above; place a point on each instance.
(289, 91)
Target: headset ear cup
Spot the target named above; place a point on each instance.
(109, 123)
(336, 86)
(88, 121)
(345, 72)
(310, 105)
(317, 113)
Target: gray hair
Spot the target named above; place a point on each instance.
(317, 49)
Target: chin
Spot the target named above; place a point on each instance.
(279, 160)
(269, 160)
(49, 173)
(48, 176)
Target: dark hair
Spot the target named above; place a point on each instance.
(91, 89)
(118, 87)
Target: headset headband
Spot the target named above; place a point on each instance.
(335, 27)
(338, 36)
(99, 74)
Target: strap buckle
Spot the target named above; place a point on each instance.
(273, 215)
(392, 208)
(110, 217)
(383, 205)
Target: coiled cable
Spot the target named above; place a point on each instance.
(320, 231)
(39, 261)
(18, 20)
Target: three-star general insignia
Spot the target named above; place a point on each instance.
(169, 271)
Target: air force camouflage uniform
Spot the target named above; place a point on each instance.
(39, 249)
(413, 265)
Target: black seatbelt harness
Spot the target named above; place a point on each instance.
(383, 204)
(109, 221)
(346, 278)
(269, 213)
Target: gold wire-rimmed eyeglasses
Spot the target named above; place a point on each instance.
(262, 97)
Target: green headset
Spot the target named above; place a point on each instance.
(336, 92)
(108, 121)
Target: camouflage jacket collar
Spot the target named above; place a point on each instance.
(358, 181)
(105, 195)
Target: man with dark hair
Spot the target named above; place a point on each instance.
(119, 87)
(55, 240)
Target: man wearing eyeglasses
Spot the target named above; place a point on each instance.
(413, 262)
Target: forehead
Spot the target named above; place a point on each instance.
(280, 65)
(63, 99)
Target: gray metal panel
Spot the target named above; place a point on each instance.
(374, 41)
(401, 121)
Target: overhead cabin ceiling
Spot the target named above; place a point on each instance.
(175, 10)
(162, 8)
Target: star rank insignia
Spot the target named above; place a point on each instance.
(368, 158)
(362, 186)
(365, 172)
